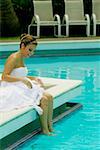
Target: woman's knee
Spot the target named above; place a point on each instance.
(49, 96)
(44, 100)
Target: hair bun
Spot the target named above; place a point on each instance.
(22, 36)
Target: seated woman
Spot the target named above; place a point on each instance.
(19, 90)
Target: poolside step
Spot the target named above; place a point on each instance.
(16, 122)
(69, 109)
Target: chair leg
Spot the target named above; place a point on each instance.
(38, 30)
(58, 31)
(29, 26)
(67, 30)
(88, 30)
(94, 29)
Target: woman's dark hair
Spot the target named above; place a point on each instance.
(27, 39)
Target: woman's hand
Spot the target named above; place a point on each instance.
(27, 82)
(39, 81)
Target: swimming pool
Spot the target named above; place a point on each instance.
(55, 48)
(81, 130)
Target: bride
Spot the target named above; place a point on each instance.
(18, 90)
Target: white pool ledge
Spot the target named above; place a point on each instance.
(62, 90)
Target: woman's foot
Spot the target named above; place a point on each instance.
(47, 132)
(51, 129)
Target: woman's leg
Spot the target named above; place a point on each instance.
(50, 111)
(44, 116)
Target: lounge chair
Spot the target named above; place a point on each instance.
(43, 16)
(96, 15)
(74, 15)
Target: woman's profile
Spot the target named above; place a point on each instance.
(19, 90)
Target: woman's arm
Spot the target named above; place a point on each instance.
(31, 77)
(36, 79)
(9, 66)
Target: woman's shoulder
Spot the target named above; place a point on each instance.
(13, 57)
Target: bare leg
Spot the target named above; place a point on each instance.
(43, 117)
(50, 111)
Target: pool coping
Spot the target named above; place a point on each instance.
(56, 48)
(31, 109)
(52, 41)
(30, 114)
(75, 107)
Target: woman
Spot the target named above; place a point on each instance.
(19, 90)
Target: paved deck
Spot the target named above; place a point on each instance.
(62, 90)
(17, 39)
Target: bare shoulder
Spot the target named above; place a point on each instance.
(10, 64)
(12, 58)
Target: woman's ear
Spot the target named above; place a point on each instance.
(22, 45)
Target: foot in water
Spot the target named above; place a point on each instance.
(50, 128)
(48, 133)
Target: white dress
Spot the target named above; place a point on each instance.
(15, 95)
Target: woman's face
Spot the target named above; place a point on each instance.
(28, 50)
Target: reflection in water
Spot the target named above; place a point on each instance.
(62, 73)
(65, 73)
(89, 81)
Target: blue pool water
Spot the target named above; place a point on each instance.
(80, 131)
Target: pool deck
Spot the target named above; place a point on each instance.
(63, 90)
(56, 87)
(17, 39)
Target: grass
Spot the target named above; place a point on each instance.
(9, 39)
(17, 38)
